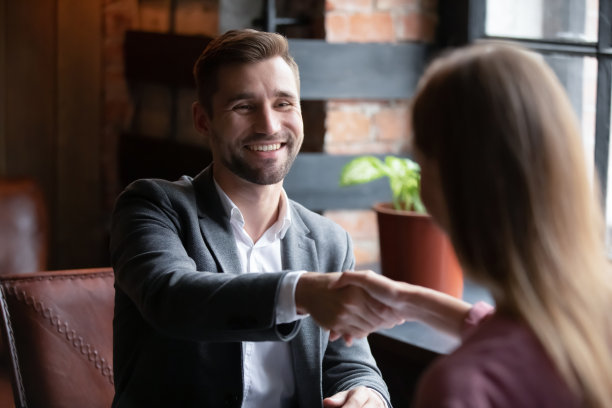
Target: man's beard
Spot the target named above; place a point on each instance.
(267, 172)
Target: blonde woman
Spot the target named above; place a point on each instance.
(503, 172)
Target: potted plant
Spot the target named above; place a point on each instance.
(412, 247)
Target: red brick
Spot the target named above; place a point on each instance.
(417, 27)
(360, 223)
(336, 27)
(366, 252)
(371, 27)
(365, 148)
(349, 5)
(392, 123)
(363, 229)
(347, 126)
(397, 4)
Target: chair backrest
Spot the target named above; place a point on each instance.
(58, 326)
(23, 227)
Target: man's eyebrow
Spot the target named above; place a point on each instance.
(250, 95)
(240, 96)
(285, 94)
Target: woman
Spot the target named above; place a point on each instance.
(503, 173)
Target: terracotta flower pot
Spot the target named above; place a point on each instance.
(414, 249)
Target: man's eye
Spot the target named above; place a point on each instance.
(243, 108)
(283, 104)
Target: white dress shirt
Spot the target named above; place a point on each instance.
(268, 378)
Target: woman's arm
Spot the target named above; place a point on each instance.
(413, 303)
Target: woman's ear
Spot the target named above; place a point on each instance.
(201, 121)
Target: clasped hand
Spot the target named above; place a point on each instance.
(350, 304)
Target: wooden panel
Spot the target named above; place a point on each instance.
(79, 200)
(30, 69)
(30, 93)
(313, 182)
(358, 71)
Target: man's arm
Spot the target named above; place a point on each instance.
(166, 267)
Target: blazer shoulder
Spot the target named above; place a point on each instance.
(176, 199)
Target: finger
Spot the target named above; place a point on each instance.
(369, 313)
(387, 316)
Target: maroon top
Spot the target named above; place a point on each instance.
(500, 364)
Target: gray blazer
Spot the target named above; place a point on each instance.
(182, 308)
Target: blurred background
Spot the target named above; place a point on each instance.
(94, 94)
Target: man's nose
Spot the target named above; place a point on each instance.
(268, 121)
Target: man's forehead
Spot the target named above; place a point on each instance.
(274, 74)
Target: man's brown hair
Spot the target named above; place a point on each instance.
(237, 47)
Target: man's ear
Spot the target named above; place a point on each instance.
(201, 121)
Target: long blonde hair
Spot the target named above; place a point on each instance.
(524, 218)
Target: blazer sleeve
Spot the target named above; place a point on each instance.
(165, 268)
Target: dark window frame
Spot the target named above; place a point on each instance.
(463, 22)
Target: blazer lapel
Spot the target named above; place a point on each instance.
(215, 223)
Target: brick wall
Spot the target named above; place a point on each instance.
(355, 127)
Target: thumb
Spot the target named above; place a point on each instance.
(335, 400)
(340, 282)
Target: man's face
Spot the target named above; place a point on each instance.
(256, 127)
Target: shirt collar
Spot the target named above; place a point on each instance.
(279, 228)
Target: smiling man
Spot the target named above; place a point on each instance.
(220, 296)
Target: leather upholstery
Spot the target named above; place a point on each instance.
(23, 227)
(58, 326)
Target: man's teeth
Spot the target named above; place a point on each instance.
(265, 148)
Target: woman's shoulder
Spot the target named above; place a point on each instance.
(501, 364)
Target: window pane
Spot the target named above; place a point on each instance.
(579, 78)
(609, 191)
(569, 20)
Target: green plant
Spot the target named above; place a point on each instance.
(404, 178)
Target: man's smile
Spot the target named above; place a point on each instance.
(265, 148)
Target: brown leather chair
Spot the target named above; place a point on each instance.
(58, 327)
(23, 245)
(23, 226)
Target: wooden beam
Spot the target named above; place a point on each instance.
(356, 70)
(327, 70)
(314, 182)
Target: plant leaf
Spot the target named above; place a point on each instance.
(362, 170)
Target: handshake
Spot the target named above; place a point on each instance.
(354, 304)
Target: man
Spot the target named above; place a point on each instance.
(213, 304)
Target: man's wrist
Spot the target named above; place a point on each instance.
(286, 311)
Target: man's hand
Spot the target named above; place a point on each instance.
(347, 311)
(410, 302)
(360, 397)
